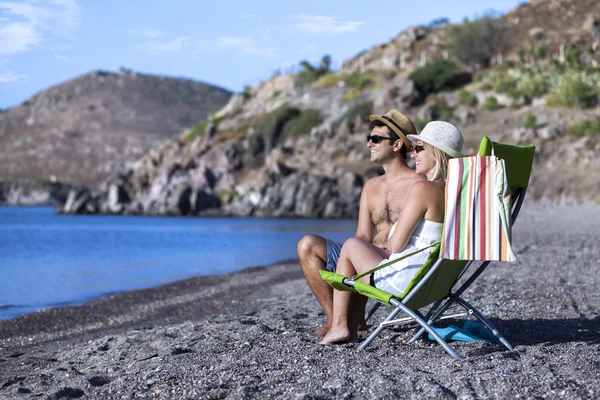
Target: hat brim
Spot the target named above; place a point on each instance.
(451, 152)
(401, 135)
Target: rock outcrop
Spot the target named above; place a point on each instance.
(30, 193)
(233, 177)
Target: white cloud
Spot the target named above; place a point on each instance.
(147, 33)
(244, 44)
(27, 25)
(34, 15)
(11, 77)
(174, 46)
(323, 25)
(61, 57)
(17, 37)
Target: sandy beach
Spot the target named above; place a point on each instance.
(248, 335)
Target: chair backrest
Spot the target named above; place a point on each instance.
(518, 160)
(444, 273)
(519, 163)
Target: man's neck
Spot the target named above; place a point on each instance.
(397, 168)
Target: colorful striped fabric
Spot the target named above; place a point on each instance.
(477, 222)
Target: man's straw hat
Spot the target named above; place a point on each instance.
(399, 123)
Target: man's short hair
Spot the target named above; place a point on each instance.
(390, 132)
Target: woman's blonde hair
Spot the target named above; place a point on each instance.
(441, 162)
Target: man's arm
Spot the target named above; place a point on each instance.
(365, 228)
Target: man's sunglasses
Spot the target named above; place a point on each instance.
(418, 149)
(377, 139)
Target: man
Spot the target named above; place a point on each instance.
(381, 202)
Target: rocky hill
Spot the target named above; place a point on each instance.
(89, 128)
(553, 23)
(295, 145)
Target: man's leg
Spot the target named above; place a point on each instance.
(312, 254)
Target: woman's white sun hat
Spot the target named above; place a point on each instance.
(442, 135)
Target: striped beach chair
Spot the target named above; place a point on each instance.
(436, 287)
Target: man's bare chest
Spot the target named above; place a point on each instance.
(387, 206)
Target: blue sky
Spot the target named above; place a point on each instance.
(227, 43)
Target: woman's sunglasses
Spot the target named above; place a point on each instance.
(377, 139)
(418, 149)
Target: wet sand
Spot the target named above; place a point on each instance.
(248, 335)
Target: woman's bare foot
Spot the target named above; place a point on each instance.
(322, 331)
(338, 335)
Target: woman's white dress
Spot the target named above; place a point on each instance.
(396, 277)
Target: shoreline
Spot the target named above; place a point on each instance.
(115, 295)
(132, 308)
(248, 335)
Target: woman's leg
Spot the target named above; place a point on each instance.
(359, 302)
(356, 256)
(363, 261)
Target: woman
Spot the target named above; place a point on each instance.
(419, 225)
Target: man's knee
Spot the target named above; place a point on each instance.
(310, 244)
(312, 249)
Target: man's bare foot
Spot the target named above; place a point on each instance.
(342, 335)
(322, 331)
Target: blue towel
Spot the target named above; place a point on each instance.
(470, 332)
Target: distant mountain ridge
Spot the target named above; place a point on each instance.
(83, 130)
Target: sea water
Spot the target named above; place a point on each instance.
(50, 260)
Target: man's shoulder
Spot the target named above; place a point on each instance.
(374, 183)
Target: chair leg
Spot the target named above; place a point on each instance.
(401, 307)
(438, 313)
(377, 330)
(433, 309)
(418, 330)
(486, 322)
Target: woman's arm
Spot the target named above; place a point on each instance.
(417, 204)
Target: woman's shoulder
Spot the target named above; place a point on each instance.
(425, 187)
(427, 195)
